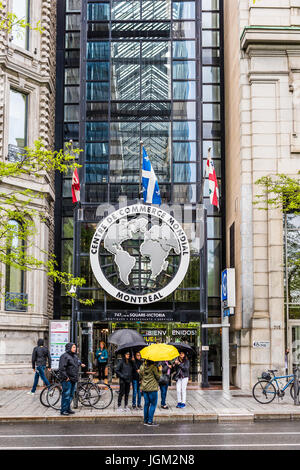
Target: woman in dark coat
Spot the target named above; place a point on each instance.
(124, 371)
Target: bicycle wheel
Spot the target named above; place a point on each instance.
(105, 396)
(264, 392)
(292, 390)
(54, 396)
(87, 393)
(43, 397)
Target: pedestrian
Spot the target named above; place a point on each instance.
(182, 366)
(164, 382)
(68, 372)
(136, 389)
(150, 375)
(124, 371)
(40, 356)
(102, 359)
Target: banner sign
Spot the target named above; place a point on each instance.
(139, 316)
(59, 337)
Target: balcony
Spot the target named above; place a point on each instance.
(16, 302)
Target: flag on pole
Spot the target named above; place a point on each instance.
(212, 180)
(75, 187)
(151, 191)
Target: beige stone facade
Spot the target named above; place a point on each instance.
(262, 80)
(31, 72)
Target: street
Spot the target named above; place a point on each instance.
(275, 435)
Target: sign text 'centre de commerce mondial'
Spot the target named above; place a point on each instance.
(139, 254)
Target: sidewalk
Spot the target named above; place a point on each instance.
(207, 405)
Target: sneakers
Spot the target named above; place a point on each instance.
(126, 408)
(139, 407)
(164, 407)
(151, 424)
(133, 407)
(180, 405)
(30, 393)
(120, 409)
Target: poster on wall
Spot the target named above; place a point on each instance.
(59, 337)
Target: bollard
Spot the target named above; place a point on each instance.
(296, 386)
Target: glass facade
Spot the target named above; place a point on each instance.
(131, 71)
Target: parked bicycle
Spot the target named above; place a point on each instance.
(53, 379)
(268, 387)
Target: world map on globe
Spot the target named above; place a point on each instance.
(157, 244)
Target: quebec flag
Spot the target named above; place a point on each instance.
(151, 191)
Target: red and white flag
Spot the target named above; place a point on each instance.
(75, 187)
(212, 180)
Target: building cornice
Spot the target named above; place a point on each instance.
(282, 37)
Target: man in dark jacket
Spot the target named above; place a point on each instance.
(68, 372)
(40, 356)
(124, 371)
(136, 389)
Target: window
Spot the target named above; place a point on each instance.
(20, 35)
(15, 277)
(232, 246)
(17, 140)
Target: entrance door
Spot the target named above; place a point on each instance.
(294, 356)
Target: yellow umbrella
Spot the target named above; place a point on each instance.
(159, 352)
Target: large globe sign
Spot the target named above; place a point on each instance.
(139, 254)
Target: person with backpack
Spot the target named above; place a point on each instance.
(40, 356)
(124, 371)
(150, 376)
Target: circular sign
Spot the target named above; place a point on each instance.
(139, 254)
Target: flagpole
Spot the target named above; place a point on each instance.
(140, 168)
(204, 176)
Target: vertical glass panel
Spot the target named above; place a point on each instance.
(20, 8)
(183, 49)
(182, 30)
(210, 38)
(72, 94)
(67, 227)
(183, 10)
(211, 112)
(156, 139)
(184, 193)
(72, 41)
(73, 5)
(71, 113)
(72, 76)
(184, 130)
(17, 119)
(72, 22)
(156, 76)
(185, 172)
(184, 151)
(97, 71)
(125, 71)
(184, 90)
(97, 91)
(214, 227)
(126, 10)
(97, 152)
(98, 50)
(71, 131)
(210, 56)
(211, 93)
(210, 4)
(213, 266)
(98, 11)
(184, 109)
(215, 146)
(96, 131)
(96, 173)
(156, 9)
(67, 256)
(124, 152)
(15, 276)
(183, 70)
(211, 74)
(210, 20)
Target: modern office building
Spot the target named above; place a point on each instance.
(150, 71)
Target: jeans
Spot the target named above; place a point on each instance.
(150, 399)
(136, 393)
(68, 389)
(101, 370)
(163, 393)
(40, 372)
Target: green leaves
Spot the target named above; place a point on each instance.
(10, 21)
(281, 192)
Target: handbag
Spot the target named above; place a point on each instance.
(164, 379)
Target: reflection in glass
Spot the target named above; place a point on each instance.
(72, 40)
(96, 131)
(184, 130)
(183, 70)
(72, 76)
(213, 262)
(96, 91)
(71, 112)
(156, 139)
(184, 151)
(210, 20)
(184, 90)
(73, 5)
(184, 49)
(184, 110)
(156, 9)
(125, 10)
(72, 94)
(210, 38)
(183, 193)
(97, 71)
(211, 130)
(211, 74)
(211, 112)
(97, 111)
(185, 172)
(124, 152)
(125, 71)
(14, 276)
(214, 227)
(215, 146)
(96, 173)
(97, 152)
(183, 10)
(98, 50)
(211, 93)
(210, 4)
(182, 30)
(20, 36)
(210, 56)
(98, 11)
(17, 134)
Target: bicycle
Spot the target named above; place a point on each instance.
(267, 387)
(85, 393)
(54, 378)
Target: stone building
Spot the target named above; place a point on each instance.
(27, 102)
(262, 125)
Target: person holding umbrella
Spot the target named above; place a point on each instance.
(182, 366)
(124, 371)
(136, 389)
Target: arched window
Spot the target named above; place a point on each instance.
(15, 297)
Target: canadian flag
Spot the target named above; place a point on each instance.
(212, 180)
(75, 187)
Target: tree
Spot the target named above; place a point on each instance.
(281, 192)
(24, 201)
(9, 21)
